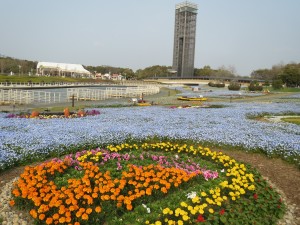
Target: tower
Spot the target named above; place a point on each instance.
(184, 39)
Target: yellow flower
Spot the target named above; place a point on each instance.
(157, 223)
(211, 210)
(196, 200)
(183, 204)
(193, 211)
(166, 211)
(201, 211)
(251, 187)
(185, 218)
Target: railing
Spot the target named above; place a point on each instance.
(94, 94)
(12, 85)
(17, 96)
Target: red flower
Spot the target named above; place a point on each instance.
(222, 212)
(200, 218)
(255, 196)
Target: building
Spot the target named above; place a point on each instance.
(184, 39)
(62, 70)
(108, 76)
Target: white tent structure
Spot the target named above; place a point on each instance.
(61, 69)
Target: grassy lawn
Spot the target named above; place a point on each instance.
(295, 120)
(286, 89)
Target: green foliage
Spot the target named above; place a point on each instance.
(254, 86)
(128, 73)
(234, 86)
(295, 120)
(17, 66)
(267, 84)
(206, 71)
(277, 84)
(221, 72)
(218, 84)
(153, 71)
(291, 75)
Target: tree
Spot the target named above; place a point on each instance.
(153, 71)
(206, 71)
(291, 75)
(277, 84)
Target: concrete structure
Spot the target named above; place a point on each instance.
(62, 70)
(184, 39)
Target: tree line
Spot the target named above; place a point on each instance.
(288, 74)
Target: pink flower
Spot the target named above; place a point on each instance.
(119, 166)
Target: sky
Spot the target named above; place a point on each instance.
(241, 34)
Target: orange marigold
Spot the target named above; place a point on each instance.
(12, 203)
(98, 209)
(42, 216)
(85, 216)
(49, 220)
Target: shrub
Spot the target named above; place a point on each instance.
(277, 84)
(254, 86)
(234, 86)
(218, 84)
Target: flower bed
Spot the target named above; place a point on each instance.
(158, 183)
(49, 115)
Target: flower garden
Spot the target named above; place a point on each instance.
(166, 183)
(147, 166)
(65, 114)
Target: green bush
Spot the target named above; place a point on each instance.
(254, 86)
(277, 84)
(234, 86)
(216, 84)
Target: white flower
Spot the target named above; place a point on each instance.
(147, 208)
(191, 195)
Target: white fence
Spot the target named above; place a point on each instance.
(13, 85)
(94, 94)
(18, 96)
(15, 96)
